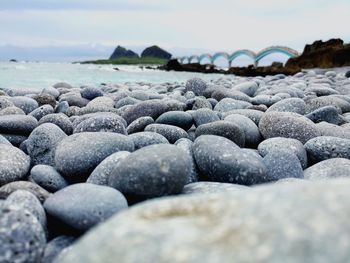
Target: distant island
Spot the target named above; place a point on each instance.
(152, 55)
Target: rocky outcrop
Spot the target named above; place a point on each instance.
(328, 54)
(157, 52)
(121, 52)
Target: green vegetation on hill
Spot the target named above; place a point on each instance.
(129, 61)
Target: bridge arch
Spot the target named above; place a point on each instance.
(185, 60)
(204, 56)
(276, 49)
(241, 52)
(191, 58)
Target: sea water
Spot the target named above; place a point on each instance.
(41, 74)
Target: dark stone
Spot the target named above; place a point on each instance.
(161, 169)
(187, 146)
(45, 99)
(47, 177)
(77, 155)
(22, 237)
(327, 147)
(142, 139)
(203, 116)
(17, 124)
(83, 206)
(42, 143)
(35, 189)
(40, 112)
(170, 132)
(139, 124)
(15, 164)
(91, 93)
(221, 160)
(225, 129)
(326, 113)
(59, 119)
(180, 119)
(104, 170)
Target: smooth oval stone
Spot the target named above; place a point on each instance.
(289, 105)
(327, 147)
(328, 129)
(326, 113)
(35, 189)
(91, 93)
(224, 93)
(22, 237)
(282, 164)
(199, 103)
(74, 99)
(12, 111)
(139, 124)
(14, 164)
(40, 112)
(251, 131)
(170, 132)
(102, 172)
(221, 160)
(15, 139)
(225, 129)
(24, 103)
(101, 124)
(79, 119)
(249, 87)
(17, 124)
(142, 139)
(331, 168)
(196, 85)
(26, 200)
(286, 144)
(47, 177)
(316, 103)
(288, 125)
(151, 108)
(228, 104)
(161, 169)
(203, 116)
(211, 187)
(186, 145)
(5, 103)
(125, 101)
(77, 155)
(55, 247)
(42, 143)
(62, 107)
(265, 99)
(83, 205)
(46, 99)
(180, 119)
(254, 115)
(59, 119)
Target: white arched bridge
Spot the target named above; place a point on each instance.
(256, 57)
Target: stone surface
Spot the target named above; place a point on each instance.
(82, 206)
(59, 119)
(77, 155)
(47, 177)
(288, 125)
(287, 144)
(196, 85)
(335, 167)
(40, 112)
(326, 147)
(17, 124)
(289, 105)
(180, 119)
(212, 187)
(229, 227)
(142, 139)
(35, 189)
(22, 237)
(187, 146)
(170, 132)
(161, 170)
(225, 129)
(42, 143)
(101, 124)
(139, 124)
(106, 168)
(14, 164)
(55, 247)
(221, 160)
(326, 113)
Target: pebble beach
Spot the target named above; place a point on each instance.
(229, 169)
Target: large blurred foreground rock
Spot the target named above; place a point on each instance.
(297, 221)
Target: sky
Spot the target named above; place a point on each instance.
(182, 26)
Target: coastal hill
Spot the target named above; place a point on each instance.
(122, 52)
(156, 52)
(152, 55)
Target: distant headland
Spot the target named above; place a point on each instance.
(153, 55)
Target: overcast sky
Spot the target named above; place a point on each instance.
(224, 25)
